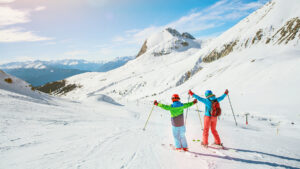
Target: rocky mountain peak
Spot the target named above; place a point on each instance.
(166, 41)
(173, 32)
(187, 35)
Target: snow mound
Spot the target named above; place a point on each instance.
(102, 98)
(18, 86)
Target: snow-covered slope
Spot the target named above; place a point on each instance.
(60, 134)
(18, 86)
(100, 133)
(265, 42)
(166, 50)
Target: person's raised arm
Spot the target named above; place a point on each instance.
(163, 106)
(223, 96)
(186, 105)
(198, 97)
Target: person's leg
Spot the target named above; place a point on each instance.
(214, 130)
(176, 135)
(182, 137)
(206, 130)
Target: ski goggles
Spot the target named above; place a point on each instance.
(210, 96)
(175, 98)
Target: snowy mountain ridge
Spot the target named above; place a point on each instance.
(65, 63)
(40, 72)
(167, 41)
(276, 23)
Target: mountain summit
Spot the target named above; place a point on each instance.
(167, 41)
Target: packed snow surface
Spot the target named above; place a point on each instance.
(97, 134)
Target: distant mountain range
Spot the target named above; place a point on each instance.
(41, 72)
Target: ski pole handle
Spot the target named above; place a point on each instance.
(148, 118)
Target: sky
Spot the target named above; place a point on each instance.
(104, 29)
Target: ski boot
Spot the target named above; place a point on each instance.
(218, 145)
(204, 145)
(185, 149)
(178, 149)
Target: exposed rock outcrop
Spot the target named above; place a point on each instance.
(174, 32)
(187, 35)
(58, 87)
(143, 49)
(289, 31)
(215, 55)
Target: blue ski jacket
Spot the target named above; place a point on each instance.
(208, 103)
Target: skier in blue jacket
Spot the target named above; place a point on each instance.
(209, 120)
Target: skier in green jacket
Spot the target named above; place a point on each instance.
(177, 120)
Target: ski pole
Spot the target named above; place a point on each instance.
(187, 110)
(148, 118)
(232, 109)
(199, 116)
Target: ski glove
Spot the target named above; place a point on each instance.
(226, 91)
(155, 102)
(191, 93)
(195, 101)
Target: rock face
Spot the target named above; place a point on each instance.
(187, 35)
(215, 55)
(289, 31)
(143, 49)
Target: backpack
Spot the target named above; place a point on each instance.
(215, 108)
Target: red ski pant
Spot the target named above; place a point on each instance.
(210, 122)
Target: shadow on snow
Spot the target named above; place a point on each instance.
(274, 155)
(251, 161)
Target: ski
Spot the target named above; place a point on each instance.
(172, 147)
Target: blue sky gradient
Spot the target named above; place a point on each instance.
(104, 29)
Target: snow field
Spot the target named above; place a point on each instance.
(97, 134)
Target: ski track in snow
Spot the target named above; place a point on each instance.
(65, 134)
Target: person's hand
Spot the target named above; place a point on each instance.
(195, 101)
(155, 102)
(226, 91)
(191, 93)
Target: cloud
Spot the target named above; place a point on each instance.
(8, 17)
(6, 1)
(137, 36)
(17, 59)
(196, 21)
(40, 8)
(221, 12)
(18, 35)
